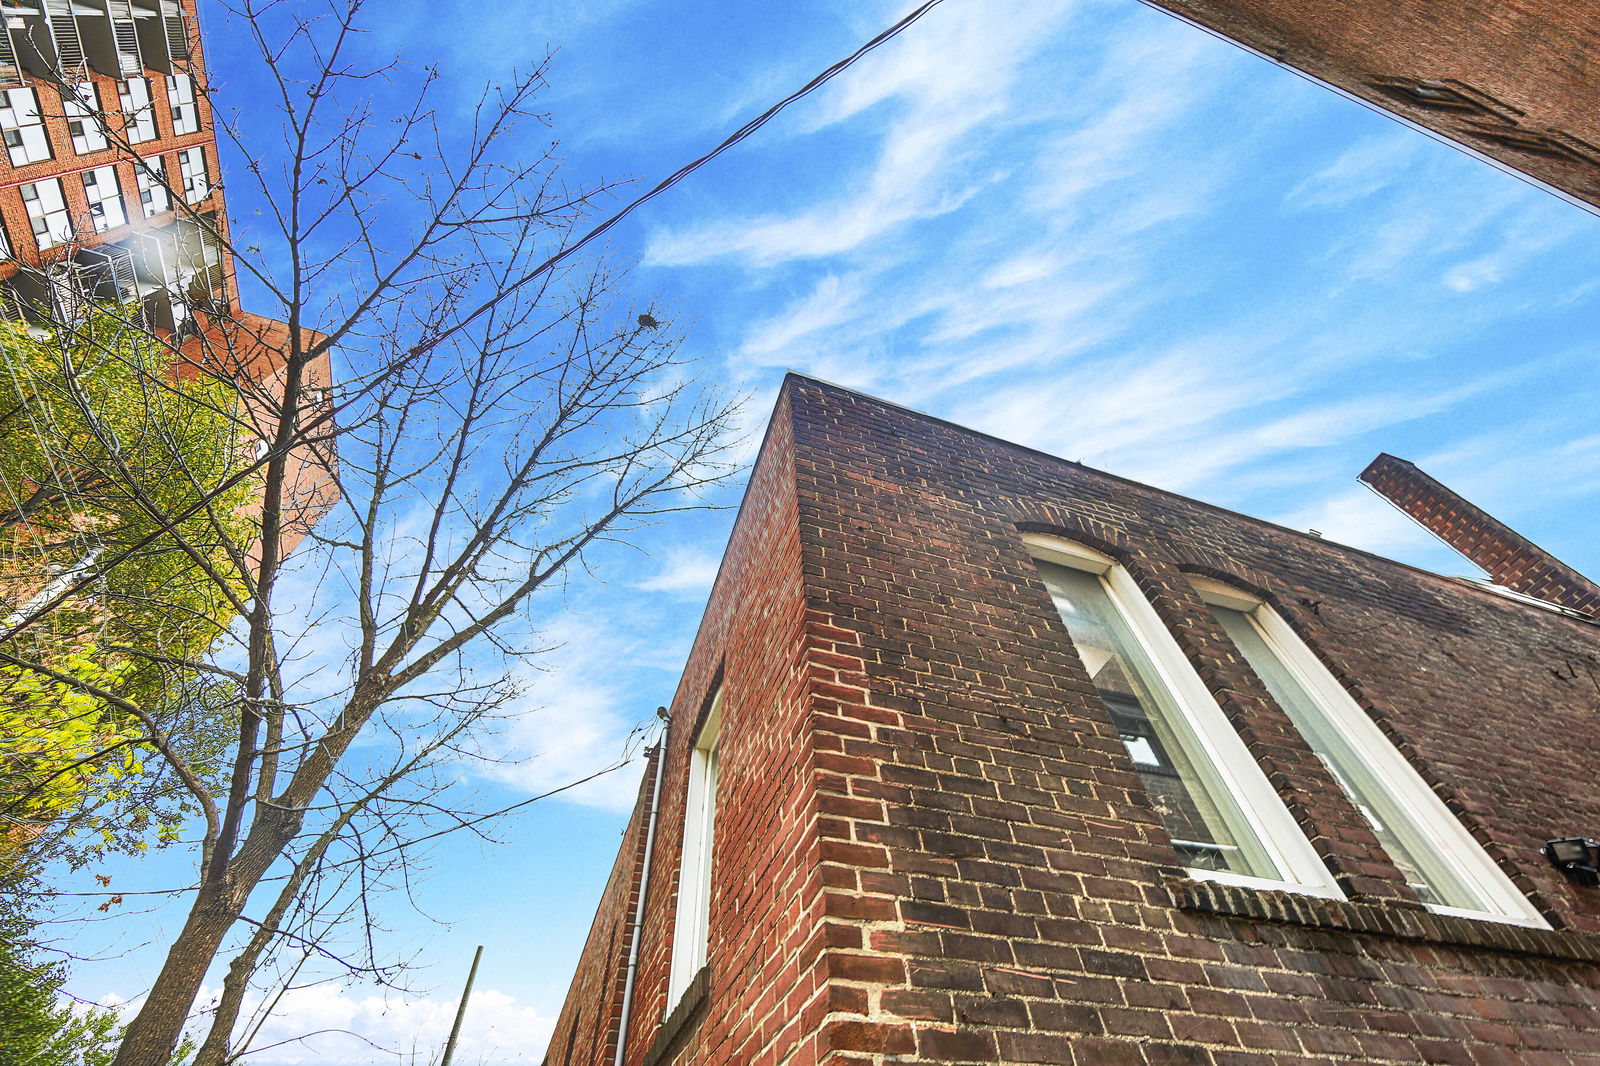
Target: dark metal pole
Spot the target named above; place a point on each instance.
(461, 1011)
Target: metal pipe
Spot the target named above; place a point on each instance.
(461, 1011)
(644, 889)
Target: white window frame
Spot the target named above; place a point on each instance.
(82, 105)
(48, 215)
(691, 928)
(27, 140)
(103, 190)
(1407, 789)
(196, 178)
(185, 111)
(150, 174)
(133, 94)
(1301, 868)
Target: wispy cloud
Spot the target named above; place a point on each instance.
(1357, 172)
(946, 85)
(685, 572)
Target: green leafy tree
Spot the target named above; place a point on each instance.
(102, 442)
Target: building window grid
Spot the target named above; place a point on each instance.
(47, 212)
(192, 168)
(138, 110)
(22, 127)
(84, 121)
(185, 112)
(104, 193)
(691, 929)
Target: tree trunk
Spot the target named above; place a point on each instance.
(155, 1031)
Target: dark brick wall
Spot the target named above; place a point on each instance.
(953, 858)
(1522, 73)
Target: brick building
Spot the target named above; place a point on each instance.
(984, 756)
(110, 194)
(1511, 80)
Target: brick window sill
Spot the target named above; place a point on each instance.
(683, 1018)
(1377, 919)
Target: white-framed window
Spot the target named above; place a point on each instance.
(691, 930)
(82, 105)
(185, 113)
(192, 168)
(1223, 816)
(23, 127)
(151, 174)
(138, 111)
(1449, 871)
(47, 212)
(104, 193)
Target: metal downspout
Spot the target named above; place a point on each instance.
(644, 890)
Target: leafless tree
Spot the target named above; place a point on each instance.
(496, 412)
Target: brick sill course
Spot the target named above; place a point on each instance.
(681, 1019)
(1379, 919)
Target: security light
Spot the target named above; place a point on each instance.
(1577, 857)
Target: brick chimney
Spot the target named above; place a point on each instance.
(1510, 559)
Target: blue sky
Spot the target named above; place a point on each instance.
(1082, 226)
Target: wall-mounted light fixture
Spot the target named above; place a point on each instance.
(1577, 857)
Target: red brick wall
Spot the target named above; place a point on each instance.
(67, 164)
(1524, 66)
(586, 1029)
(937, 850)
(765, 990)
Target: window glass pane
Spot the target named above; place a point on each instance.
(25, 137)
(83, 118)
(1428, 870)
(134, 96)
(691, 929)
(1206, 823)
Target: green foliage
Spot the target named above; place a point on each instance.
(36, 1028)
(102, 445)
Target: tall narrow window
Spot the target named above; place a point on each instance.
(1441, 861)
(192, 167)
(105, 199)
(22, 127)
(180, 94)
(137, 110)
(82, 105)
(151, 174)
(1223, 816)
(692, 928)
(47, 212)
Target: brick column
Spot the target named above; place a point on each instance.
(1510, 558)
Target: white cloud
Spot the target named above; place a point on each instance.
(1359, 171)
(388, 1029)
(1360, 518)
(686, 571)
(951, 81)
(828, 305)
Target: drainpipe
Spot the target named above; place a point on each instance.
(644, 889)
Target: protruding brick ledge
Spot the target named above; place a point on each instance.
(1377, 919)
(1509, 558)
